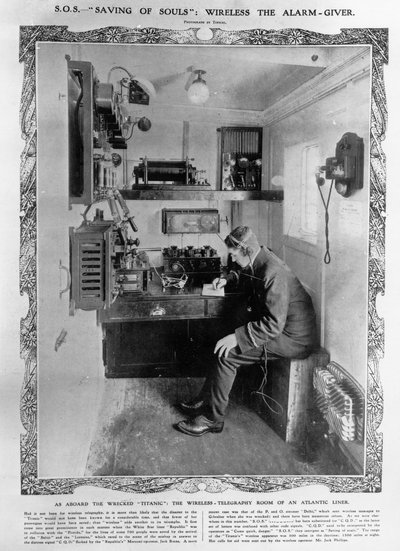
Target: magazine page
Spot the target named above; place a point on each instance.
(154, 150)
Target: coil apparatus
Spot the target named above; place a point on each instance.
(201, 264)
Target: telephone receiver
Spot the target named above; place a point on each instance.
(347, 167)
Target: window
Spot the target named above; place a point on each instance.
(309, 194)
(301, 194)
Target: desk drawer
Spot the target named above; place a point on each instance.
(157, 309)
(221, 307)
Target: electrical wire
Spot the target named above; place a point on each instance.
(169, 281)
(118, 67)
(155, 269)
(268, 400)
(327, 257)
(130, 135)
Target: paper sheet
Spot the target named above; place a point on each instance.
(208, 290)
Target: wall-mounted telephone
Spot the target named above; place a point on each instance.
(346, 168)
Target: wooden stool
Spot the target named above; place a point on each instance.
(290, 386)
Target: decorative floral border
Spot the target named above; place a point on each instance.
(29, 36)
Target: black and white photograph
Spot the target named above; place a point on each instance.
(203, 259)
(202, 266)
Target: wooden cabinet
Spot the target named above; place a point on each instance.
(145, 349)
(178, 348)
(167, 335)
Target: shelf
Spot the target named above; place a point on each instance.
(191, 194)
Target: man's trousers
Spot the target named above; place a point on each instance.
(219, 382)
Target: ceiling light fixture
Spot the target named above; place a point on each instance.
(198, 92)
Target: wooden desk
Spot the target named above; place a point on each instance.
(164, 333)
(173, 333)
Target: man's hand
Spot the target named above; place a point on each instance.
(219, 282)
(225, 344)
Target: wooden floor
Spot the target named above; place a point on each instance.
(135, 436)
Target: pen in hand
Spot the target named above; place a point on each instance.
(216, 283)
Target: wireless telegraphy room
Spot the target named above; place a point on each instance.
(189, 198)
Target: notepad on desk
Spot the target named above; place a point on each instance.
(209, 291)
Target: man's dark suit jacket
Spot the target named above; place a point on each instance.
(282, 316)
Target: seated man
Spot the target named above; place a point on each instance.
(280, 320)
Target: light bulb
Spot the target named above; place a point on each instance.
(198, 92)
(123, 106)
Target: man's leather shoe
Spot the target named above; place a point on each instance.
(192, 407)
(199, 426)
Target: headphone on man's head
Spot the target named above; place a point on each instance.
(246, 250)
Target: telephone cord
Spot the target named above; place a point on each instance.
(327, 257)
